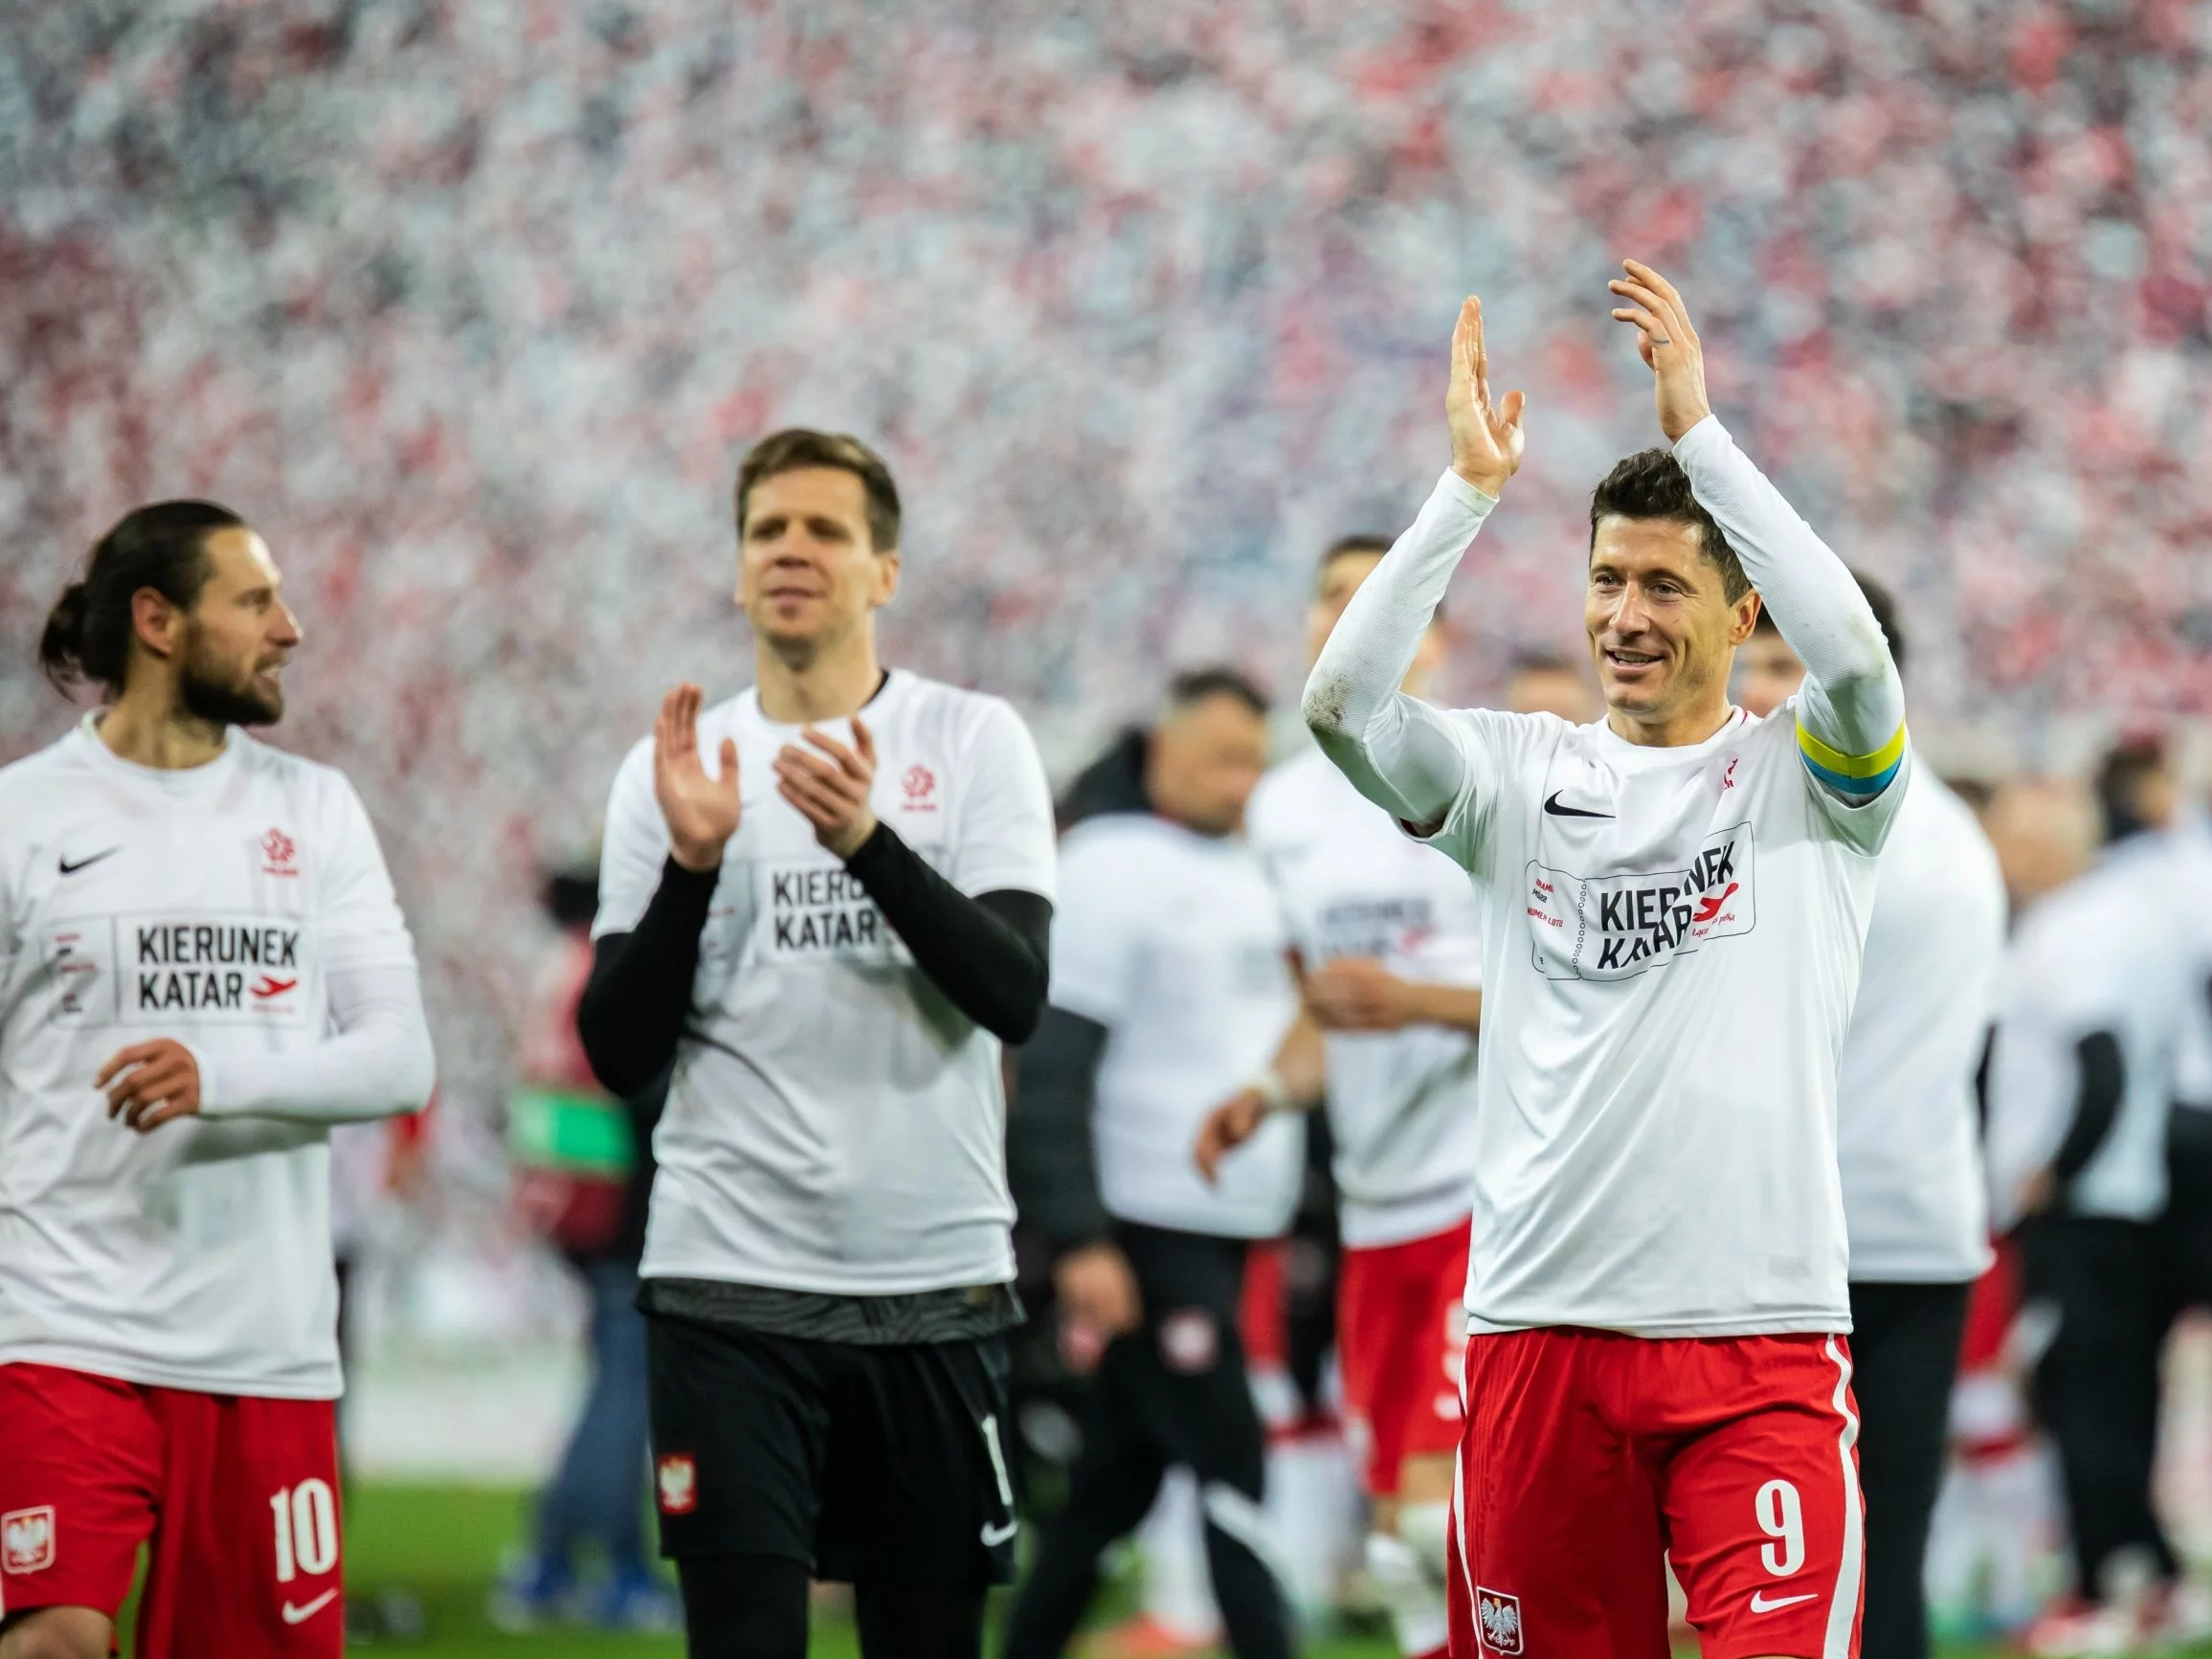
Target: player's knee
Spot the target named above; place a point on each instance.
(57, 1633)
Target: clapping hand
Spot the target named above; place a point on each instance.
(1486, 438)
(831, 789)
(1668, 344)
(702, 811)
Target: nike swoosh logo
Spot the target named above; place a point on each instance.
(70, 869)
(994, 1536)
(300, 1615)
(1762, 1605)
(1552, 805)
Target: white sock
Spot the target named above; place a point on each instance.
(1413, 1599)
(1427, 1530)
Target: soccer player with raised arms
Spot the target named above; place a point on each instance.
(1676, 899)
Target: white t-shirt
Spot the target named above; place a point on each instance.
(1173, 942)
(1907, 1142)
(208, 906)
(2105, 952)
(835, 1124)
(1402, 1104)
(2189, 851)
(1666, 990)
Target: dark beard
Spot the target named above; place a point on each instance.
(204, 694)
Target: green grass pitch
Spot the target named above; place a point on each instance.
(444, 1545)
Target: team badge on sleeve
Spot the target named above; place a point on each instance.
(1499, 1617)
(27, 1540)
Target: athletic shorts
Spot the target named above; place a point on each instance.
(1588, 1455)
(239, 1498)
(864, 1461)
(1401, 1328)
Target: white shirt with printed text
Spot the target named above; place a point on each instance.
(1671, 947)
(205, 904)
(1402, 1104)
(1174, 943)
(836, 1125)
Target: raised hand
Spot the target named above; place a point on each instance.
(832, 794)
(702, 811)
(1486, 437)
(1667, 344)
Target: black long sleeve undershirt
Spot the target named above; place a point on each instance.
(988, 954)
(1051, 1162)
(2104, 1080)
(640, 991)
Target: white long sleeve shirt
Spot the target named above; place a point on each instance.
(1672, 941)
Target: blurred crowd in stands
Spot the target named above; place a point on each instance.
(472, 308)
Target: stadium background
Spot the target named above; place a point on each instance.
(472, 307)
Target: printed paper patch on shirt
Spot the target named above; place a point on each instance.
(1616, 927)
(27, 1540)
(1499, 1617)
(676, 1482)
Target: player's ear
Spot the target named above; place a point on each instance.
(154, 621)
(884, 580)
(1745, 617)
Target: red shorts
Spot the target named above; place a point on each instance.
(238, 1497)
(1589, 1455)
(1402, 1327)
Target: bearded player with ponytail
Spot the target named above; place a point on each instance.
(202, 968)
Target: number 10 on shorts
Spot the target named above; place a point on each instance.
(307, 1519)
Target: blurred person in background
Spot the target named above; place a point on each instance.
(1908, 1143)
(584, 1176)
(2187, 1224)
(205, 969)
(1169, 989)
(1999, 1520)
(1386, 934)
(827, 902)
(2079, 1093)
(1549, 683)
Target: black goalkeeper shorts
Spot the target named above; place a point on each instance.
(863, 1462)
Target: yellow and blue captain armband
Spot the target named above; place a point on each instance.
(1860, 774)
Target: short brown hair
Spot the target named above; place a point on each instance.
(1366, 541)
(1651, 485)
(796, 448)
